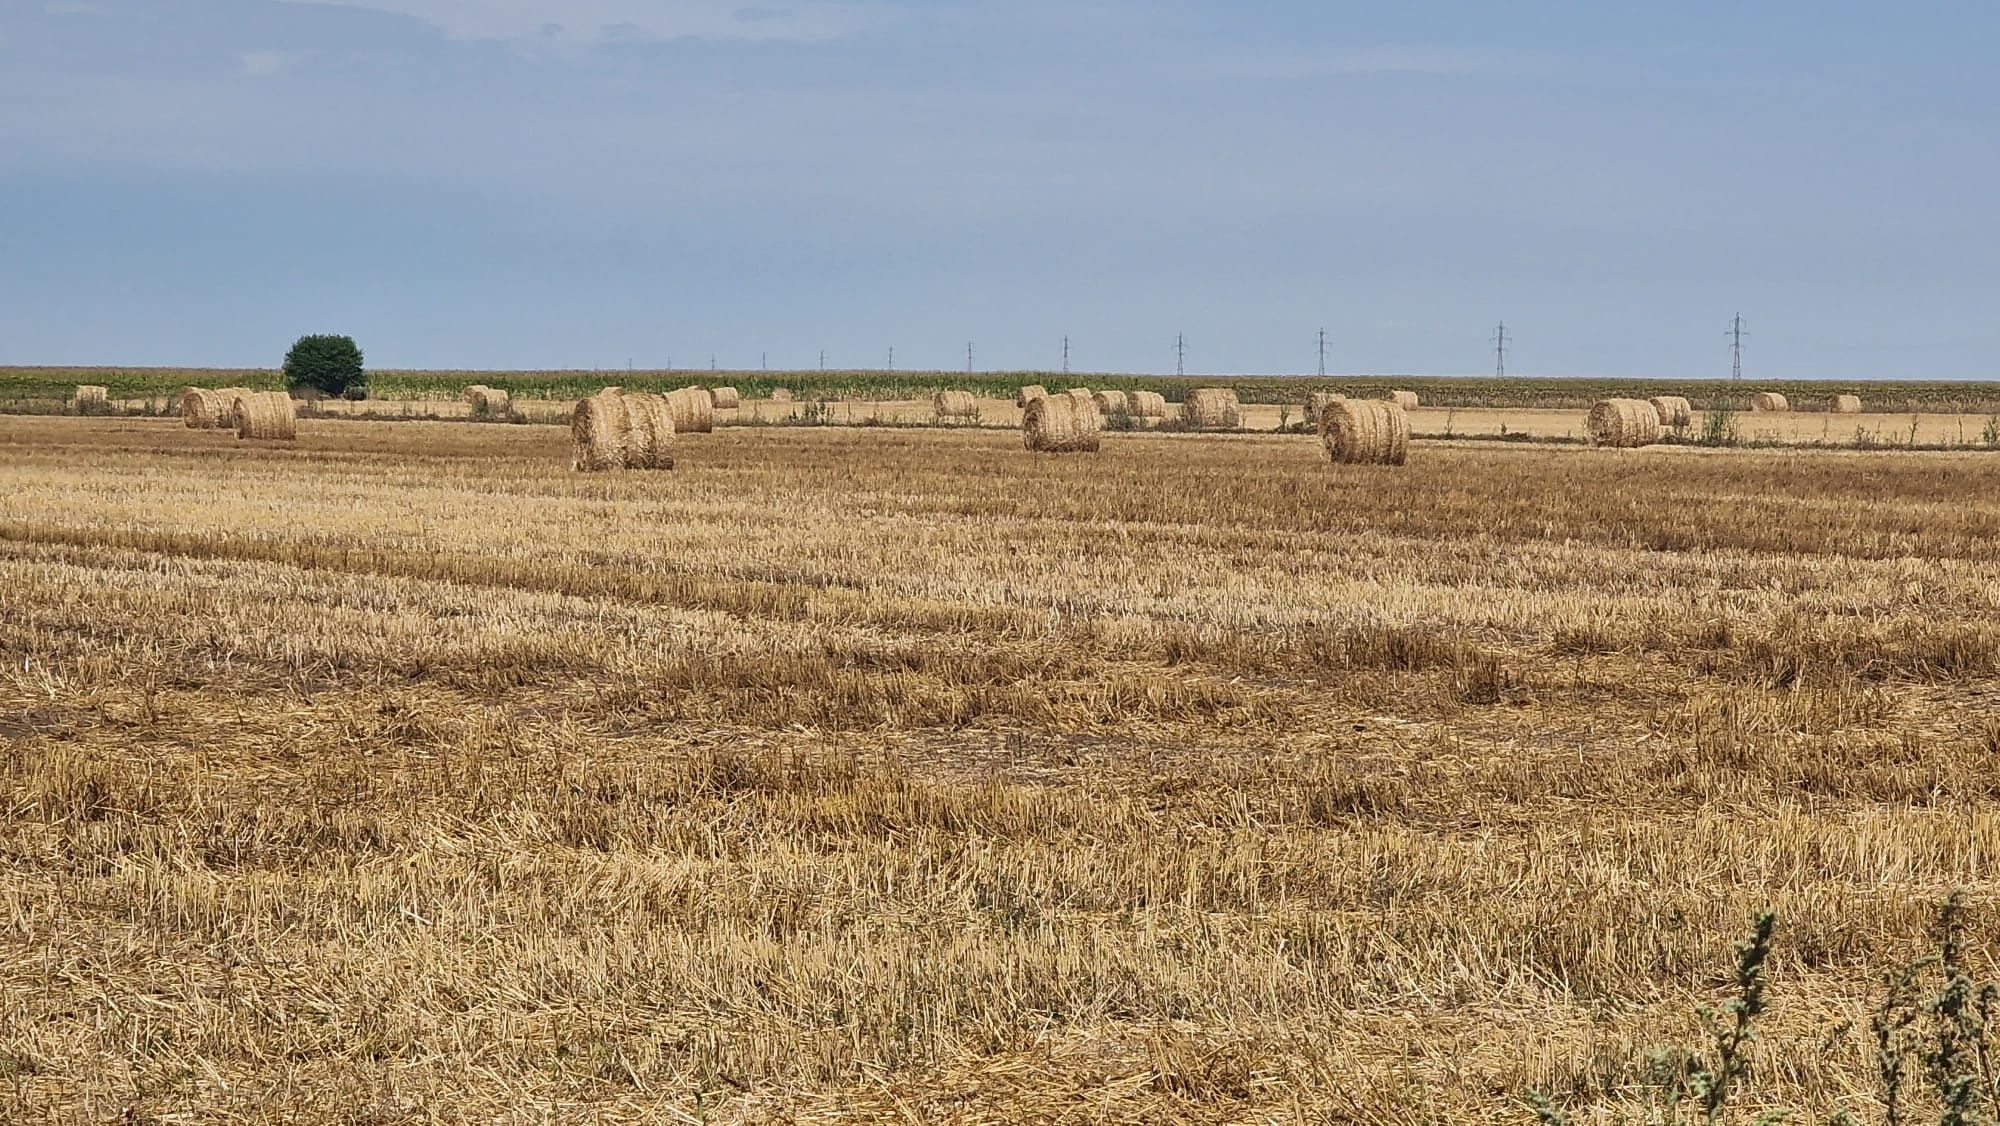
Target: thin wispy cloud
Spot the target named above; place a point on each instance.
(584, 23)
(263, 64)
(1368, 62)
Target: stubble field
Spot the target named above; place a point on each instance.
(851, 775)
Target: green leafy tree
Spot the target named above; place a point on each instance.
(330, 365)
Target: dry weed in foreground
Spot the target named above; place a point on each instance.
(847, 775)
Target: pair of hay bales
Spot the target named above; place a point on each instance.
(1364, 431)
(1211, 408)
(204, 408)
(1062, 424)
(955, 406)
(1624, 423)
(264, 416)
(614, 429)
(489, 402)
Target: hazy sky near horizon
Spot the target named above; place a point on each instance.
(579, 183)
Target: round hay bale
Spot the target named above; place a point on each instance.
(649, 432)
(1365, 432)
(1769, 401)
(1316, 404)
(955, 405)
(1029, 394)
(1212, 408)
(1674, 410)
(89, 395)
(597, 432)
(694, 410)
(1146, 404)
(205, 409)
(1112, 402)
(1404, 399)
(265, 416)
(727, 399)
(1847, 404)
(1082, 393)
(489, 402)
(780, 395)
(1062, 424)
(1624, 423)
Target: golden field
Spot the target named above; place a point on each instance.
(402, 775)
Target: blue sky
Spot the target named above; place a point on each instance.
(579, 183)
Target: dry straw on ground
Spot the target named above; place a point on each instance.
(1769, 401)
(728, 399)
(1211, 408)
(1404, 399)
(614, 430)
(1029, 394)
(1062, 424)
(1674, 410)
(88, 395)
(1365, 432)
(1146, 404)
(958, 406)
(265, 416)
(1112, 402)
(1625, 423)
(694, 410)
(1847, 404)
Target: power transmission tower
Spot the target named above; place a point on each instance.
(1736, 335)
(1322, 353)
(1065, 355)
(1500, 342)
(892, 359)
(822, 359)
(764, 360)
(1180, 353)
(968, 357)
(711, 362)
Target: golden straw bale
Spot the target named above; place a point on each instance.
(649, 432)
(1769, 401)
(89, 395)
(1111, 402)
(1365, 432)
(1625, 423)
(1674, 410)
(205, 409)
(1082, 393)
(1146, 404)
(1316, 405)
(956, 405)
(265, 416)
(780, 395)
(694, 410)
(1847, 404)
(1404, 399)
(1062, 424)
(614, 430)
(727, 399)
(1211, 408)
(489, 401)
(1029, 393)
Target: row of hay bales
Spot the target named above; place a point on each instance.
(620, 429)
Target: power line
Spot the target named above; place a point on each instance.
(1322, 352)
(892, 359)
(822, 359)
(1500, 342)
(1736, 334)
(1065, 355)
(968, 357)
(1180, 353)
